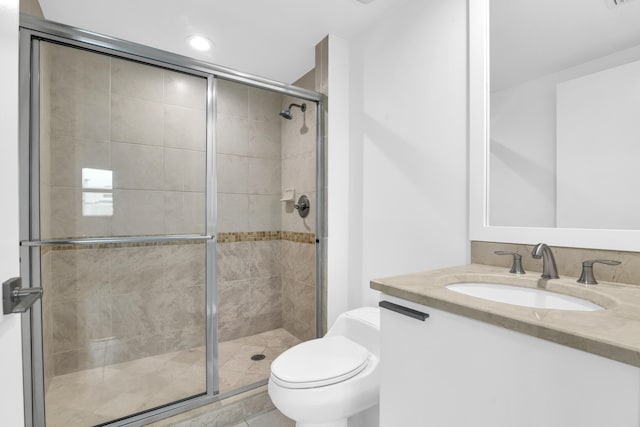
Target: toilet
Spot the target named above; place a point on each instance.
(332, 381)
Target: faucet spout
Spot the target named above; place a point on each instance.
(549, 269)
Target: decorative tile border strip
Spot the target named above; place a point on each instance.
(261, 236)
(45, 249)
(233, 237)
(248, 236)
(297, 237)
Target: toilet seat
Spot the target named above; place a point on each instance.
(319, 362)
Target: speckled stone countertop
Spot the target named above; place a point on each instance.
(613, 333)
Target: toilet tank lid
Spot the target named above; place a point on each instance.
(321, 360)
(369, 315)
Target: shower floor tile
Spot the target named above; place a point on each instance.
(98, 395)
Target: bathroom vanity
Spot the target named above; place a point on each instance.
(476, 362)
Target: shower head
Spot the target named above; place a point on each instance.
(287, 113)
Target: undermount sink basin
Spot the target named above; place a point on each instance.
(527, 297)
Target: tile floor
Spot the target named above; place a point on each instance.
(268, 419)
(94, 396)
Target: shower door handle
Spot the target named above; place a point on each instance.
(16, 299)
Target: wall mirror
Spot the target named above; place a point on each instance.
(554, 122)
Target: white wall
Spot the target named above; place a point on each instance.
(10, 345)
(338, 196)
(408, 145)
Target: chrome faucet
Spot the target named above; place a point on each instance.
(549, 269)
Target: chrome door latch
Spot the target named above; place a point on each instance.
(15, 298)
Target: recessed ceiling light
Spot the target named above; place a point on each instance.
(199, 43)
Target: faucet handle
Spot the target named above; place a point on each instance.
(587, 276)
(516, 267)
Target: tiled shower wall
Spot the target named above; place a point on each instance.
(109, 304)
(298, 258)
(261, 263)
(248, 171)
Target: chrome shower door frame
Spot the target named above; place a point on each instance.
(32, 31)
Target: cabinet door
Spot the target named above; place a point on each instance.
(452, 371)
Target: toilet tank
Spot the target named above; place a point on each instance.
(361, 325)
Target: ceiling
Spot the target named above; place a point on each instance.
(533, 38)
(269, 38)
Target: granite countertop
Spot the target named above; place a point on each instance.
(613, 333)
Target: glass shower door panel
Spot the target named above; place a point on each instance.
(123, 329)
(122, 152)
(122, 147)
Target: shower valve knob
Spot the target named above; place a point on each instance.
(303, 206)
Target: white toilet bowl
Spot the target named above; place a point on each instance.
(326, 381)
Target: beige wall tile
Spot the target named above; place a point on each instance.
(31, 7)
(325, 65)
(232, 134)
(234, 305)
(136, 120)
(67, 219)
(233, 212)
(184, 90)
(132, 315)
(232, 261)
(233, 174)
(194, 212)
(318, 67)
(94, 320)
(185, 128)
(264, 139)
(264, 213)
(61, 285)
(184, 170)
(137, 268)
(264, 176)
(137, 167)
(232, 98)
(184, 213)
(266, 296)
(299, 171)
(308, 80)
(68, 157)
(299, 133)
(298, 262)
(263, 259)
(298, 314)
(65, 326)
(264, 105)
(80, 97)
(63, 212)
(136, 80)
(184, 266)
(137, 212)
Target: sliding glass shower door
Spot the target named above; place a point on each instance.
(158, 216)
(118, 234)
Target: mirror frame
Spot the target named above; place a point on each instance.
(479, 137)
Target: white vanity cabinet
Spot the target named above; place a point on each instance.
(453, 371)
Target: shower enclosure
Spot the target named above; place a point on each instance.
(151, 216)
